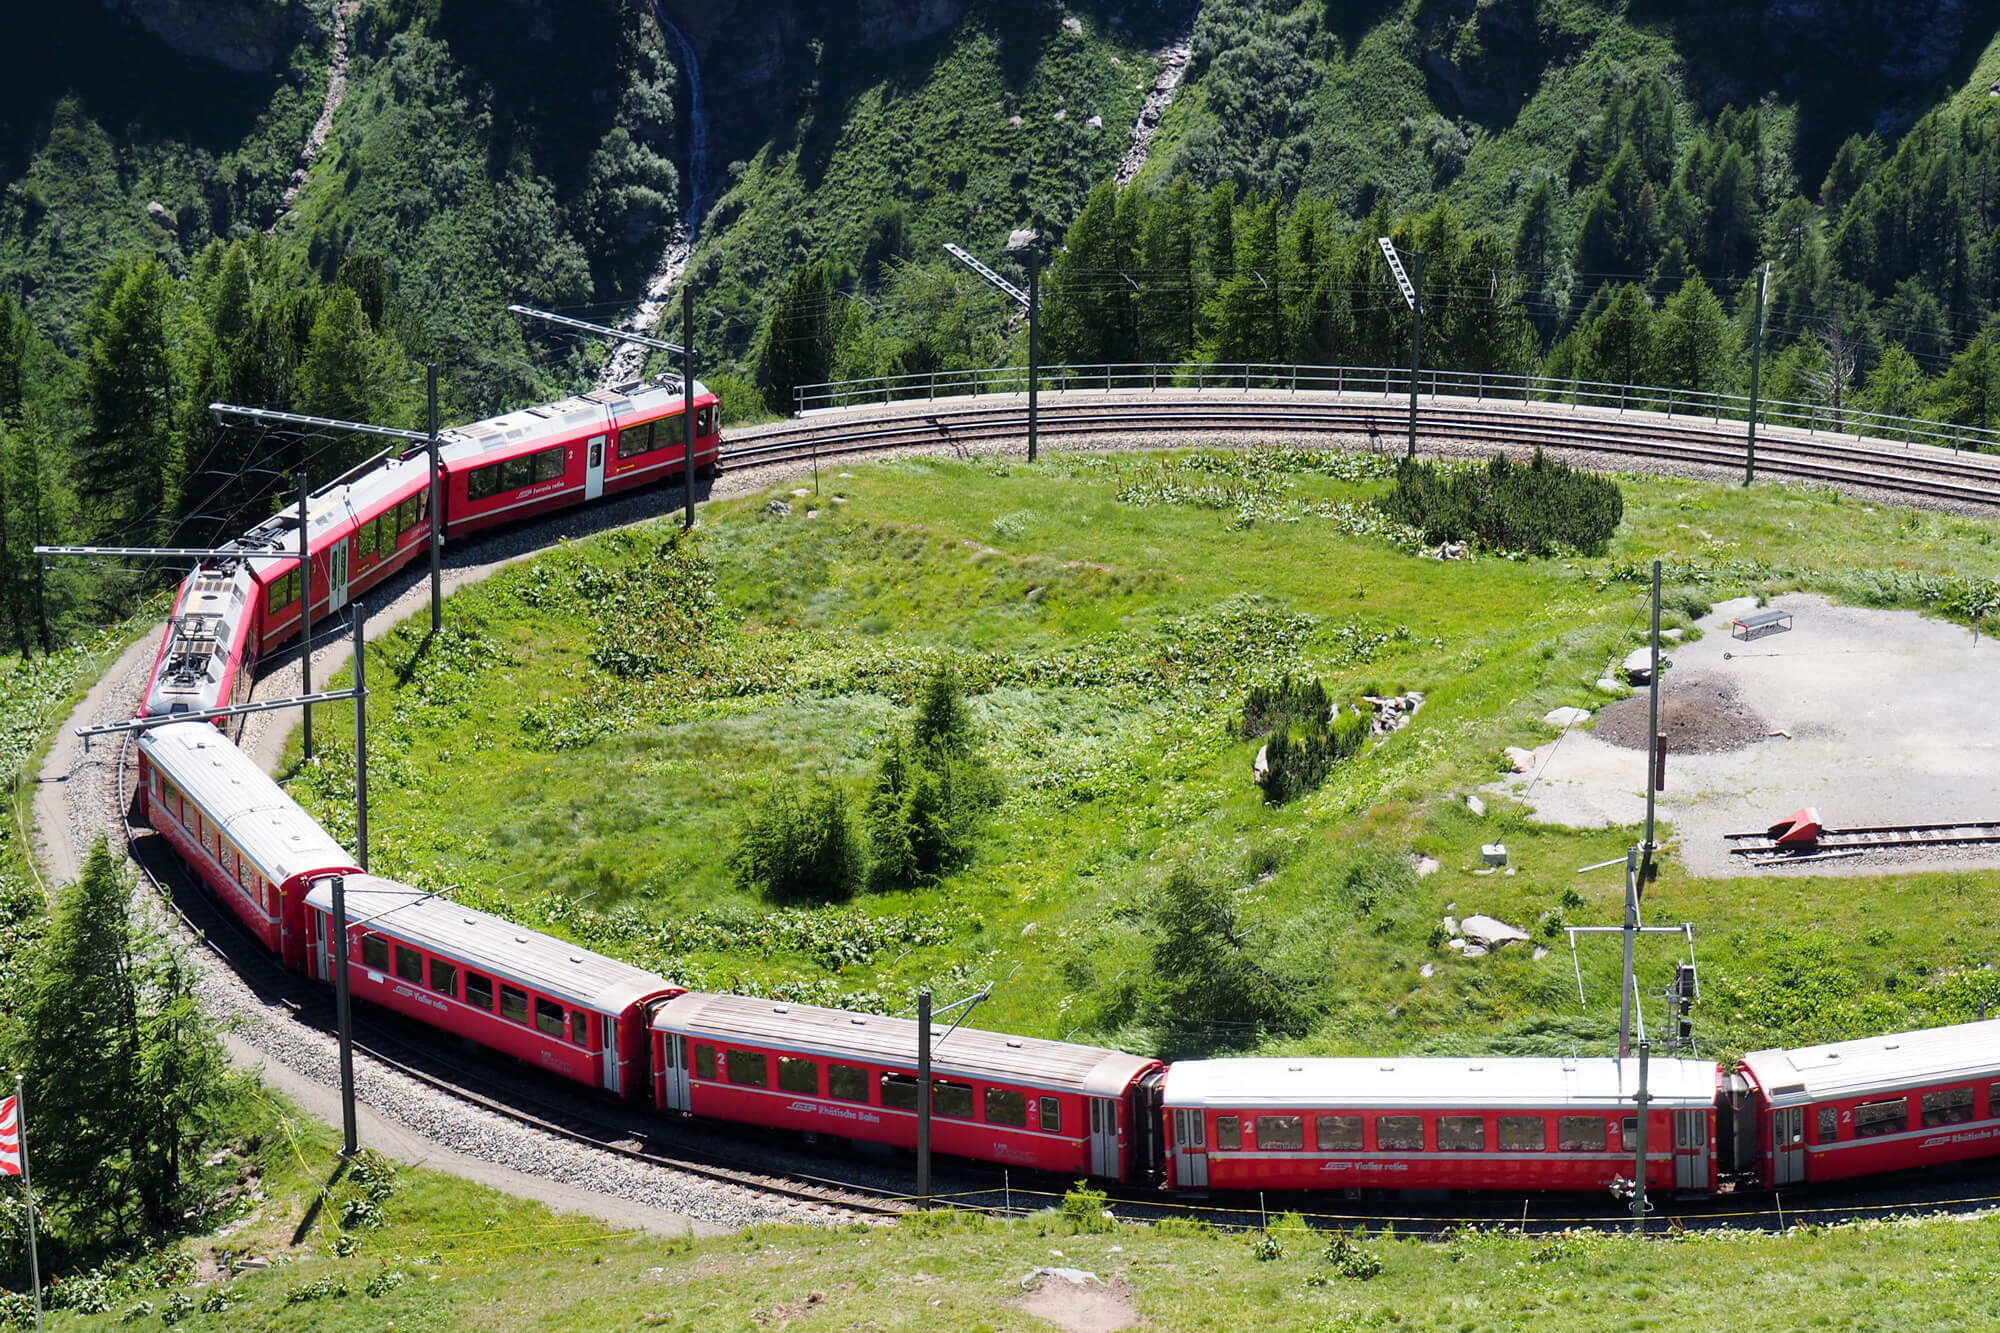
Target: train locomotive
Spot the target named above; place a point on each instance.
(1778, 1119)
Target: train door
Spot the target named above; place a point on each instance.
(336, 576)
(675, 1055)
(613, 1043)
(1788, 1145)
(1691, 1150)
(1190, 1149)
(1103, 1137)
(593, 471)
(320, 967)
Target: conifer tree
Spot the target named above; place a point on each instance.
(127, 453)
(1693, 343)
(1166, 317)
(798, 338)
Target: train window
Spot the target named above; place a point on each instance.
(1004, 1106)
(1523, 1133)
(1580, 1133)
(848, 1083)
(549, 1017)
(444, 977)
(513, 1004)
(1461, 1133)
(704, 1062)
(1281, 1133)
(479, 991)
(951, 1099)
(704, 420)
(1953, 1106)
(550, 464)
(482, 482)
(579, 1029)
(899, 1091)
(517, 472)
(1228, 1133)
(1829, 1125)
(798, 1075)
(409, 514)
(364, 541)
(1336, 1133)
(1051, 1116)
(1872, 1119)
(409, 964)
(375, 952)
(749, 1068)
(640, 439)
(1399, 1133)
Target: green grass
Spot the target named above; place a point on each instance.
(1107, 643)
(449, 1255)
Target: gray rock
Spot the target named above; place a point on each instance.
(1639, 665)
(1455, 943)
(1451, 925)
(161, 216)
(1473, 951)
(1523, 761)
(1566, 718)
(1606, 685)
(1424, 865)
(778, 507)
(1666, 635)
(1491, 932)
(1425, 971)
(1472, 803)
(1258, 768)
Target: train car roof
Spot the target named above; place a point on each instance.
(1597, 1084)
(487, 943)
(1962, 1053)
(532, 427)
(236, 796)
(1058, 1066)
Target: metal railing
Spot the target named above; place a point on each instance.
(1389, 382)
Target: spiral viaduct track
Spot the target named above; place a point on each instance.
(1601, 438)
(1920, 475)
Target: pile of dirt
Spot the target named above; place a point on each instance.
(1701, 714)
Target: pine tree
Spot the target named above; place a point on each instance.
(1166, 317)
(351, 371)
(1246, 319)
(126, 1071)
(1617, 346)
(798, 338)
(1088, 311)
(1693, 342)
(127, 453)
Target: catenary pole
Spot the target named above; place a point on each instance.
(306, 605)
(924, 1094)
(437, 504)
(1631, 933)
(360, 741)
(1654, 744)
(343, 1019)
(1034, 347)
(28, 1187)
(687, 403)
(1756, 364)
(1639, 1180)
(1416, 340)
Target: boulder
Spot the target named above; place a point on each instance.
(1491, 932)
(1472, 951)
(778, 507)
(1472, 803)
(1639, 666)
(1451, 925)
(1522, 761)
(1424, 865)
(162, 216)
(1258, 768)
(1606, 685)
(1426, 970)
(1565, 718)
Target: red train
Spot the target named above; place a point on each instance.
(364, 528)
(1516, 1125)
(1781, 1118)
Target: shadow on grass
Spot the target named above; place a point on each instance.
(307, 1222)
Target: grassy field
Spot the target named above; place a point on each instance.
(411, 1249)
(1107, 616)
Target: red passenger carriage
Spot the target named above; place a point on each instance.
(1051, 1105)
(1857, 1108)
(538, 459)
(551, 1003)
(250, 843)
(1497, 1124)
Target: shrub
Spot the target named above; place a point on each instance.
(931, 790)
(1350, 1260)
(1287, 704)
(1266, 1247)
(1083, 1210)
(798, 842)
(1298, 758)
(1536, 509)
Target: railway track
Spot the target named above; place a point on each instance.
(1853, 841)
(502, 1092)
(1918, 473)
(1923, 474)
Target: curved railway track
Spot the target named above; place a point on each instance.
(573, 1118)
(1634, 441)
(1916, 474)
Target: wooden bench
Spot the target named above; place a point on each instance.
(1757, 622)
